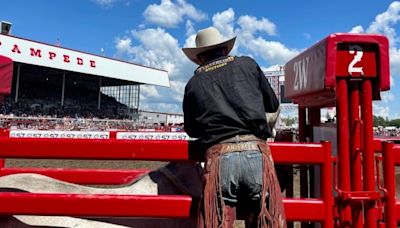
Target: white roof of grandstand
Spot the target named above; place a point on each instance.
(41, 54)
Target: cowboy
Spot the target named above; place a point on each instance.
(224, 107)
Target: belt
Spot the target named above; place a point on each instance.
(241, 138)
(236, 144)
(223, 148)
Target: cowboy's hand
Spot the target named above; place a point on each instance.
(272, 118)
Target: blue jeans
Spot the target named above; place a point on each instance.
(241, 176)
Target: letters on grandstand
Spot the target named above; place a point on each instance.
(56, 57)
(52, 55)
(99, 135)
(153, 136)
(59, 134)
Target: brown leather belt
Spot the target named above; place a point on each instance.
(241, 138)
(237, 147)
(236, 144)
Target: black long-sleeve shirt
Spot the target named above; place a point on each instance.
(226, 97)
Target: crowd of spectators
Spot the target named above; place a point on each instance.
(385, 132)
(82, 124)
(40, 109)
(78, 103)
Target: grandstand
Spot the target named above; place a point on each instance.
(276, 79)
(52, 82)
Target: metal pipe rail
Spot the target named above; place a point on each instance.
(170, 206)
(314, 210)
(83, 176)
(151, 150)
(391, 158)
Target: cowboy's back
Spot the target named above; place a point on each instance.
(224, 107)
(228, 97)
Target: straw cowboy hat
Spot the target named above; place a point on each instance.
(208, 39)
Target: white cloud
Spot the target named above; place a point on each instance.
(394, 53)
(381, 110)
(155, 47)
(179, 88)
(387, 97)
(149, 91)
(123, 45)
(250, 40)
(162, 107)
(384, 107)
(272, 51)
(385, 21)
(357, 29)
(189, 28)
(110, 3)
(170, 14)
(223, 21)
(275, 67)
(250, 24)
(392, 81)
(190, 41)
(385, 24)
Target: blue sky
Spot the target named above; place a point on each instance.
(153, 33)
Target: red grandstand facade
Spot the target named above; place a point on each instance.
(6, 73)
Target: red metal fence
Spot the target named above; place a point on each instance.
(391, 158)
(318, 210)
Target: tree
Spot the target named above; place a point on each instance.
(289, 121)
(395, 122)
(379, 121)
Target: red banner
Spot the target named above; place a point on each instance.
(6, 73)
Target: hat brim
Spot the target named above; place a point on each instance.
(192, 53)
